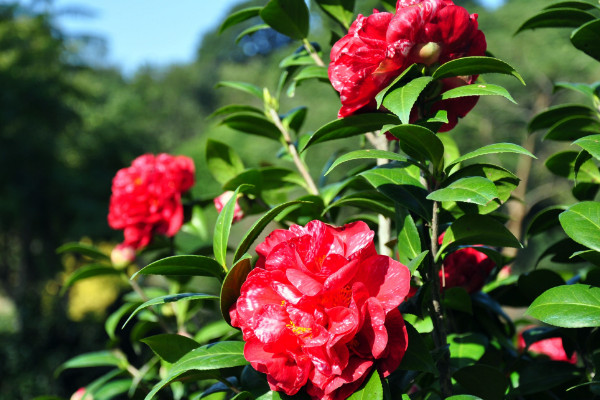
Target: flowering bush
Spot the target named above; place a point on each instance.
(319, 310)
(146, 197)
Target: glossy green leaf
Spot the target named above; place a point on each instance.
(239, 17)
(568, 306)
(587, 39)
(396, 182)
(372, 389)
(365, 154)
(475, 66)
(94, 359)
(340, 10)
(582, 223)
(466, 348)
(582, 5)
(251, 30)
(573, 128)
(184, 265)
(259, 225)
(222, 161)
(253, 124)
(222, 229)
(417, 356)
(477, 89)
(83, 249)
(556, 18)
(400, 101)
(591, 144)
(552, 115)
(170, 347)
(351, 126)
(234, 108)
(544, 220)
(589, 255)
(312, 72)
(478, 229)
(242, 86)
(409, 241)
(367, 200)
(289, 17)
(209, 358)
(169, 299)
(564, 164)
(300, 57)
(88, 271)
(475, 189)
(583, 88)
(491, 149)
(419, 142)
(482, 380)
(412, 72)
(230, 291)
(416, 262)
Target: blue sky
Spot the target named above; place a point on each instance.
(156, 32)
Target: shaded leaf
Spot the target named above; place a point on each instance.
(482, 380)
(239, 17)
(544, 220)
(552, 115)
(556, 18)
(184, 265)
(83, 249)
(573, 128)
(587, 39)
(94, 359)
(417, 356)
(222, 161)
(289, 17)
(230, 291)
(170, 347)
(251, 30)
(88, 271)
(253, 124)
(368, 199)
(340, 10)
(534, 283)
(543, 375)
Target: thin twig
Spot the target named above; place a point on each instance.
(312, 187)
(313, 53)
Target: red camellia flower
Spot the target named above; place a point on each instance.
(220, 202)
(380, 47)
(551, 347)
(146, 197)
(319, 310)
(467, 268)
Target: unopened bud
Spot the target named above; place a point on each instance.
(79, 395)
(122, 255)
(427, 53)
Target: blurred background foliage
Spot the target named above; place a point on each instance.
(67, 125)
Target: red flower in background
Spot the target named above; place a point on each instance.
(380, 47)
(551, 347)
(220, 202)
(320, 310)
(146, 197)
(467, 268)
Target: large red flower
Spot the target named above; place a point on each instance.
(467, 268)
(380, 47)
(146, 197)
(319, 310)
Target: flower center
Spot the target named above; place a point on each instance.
(299, 330)
(340, 298)
(427, 53)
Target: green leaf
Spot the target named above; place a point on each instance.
(95, 359)
(400, 101)
(552, 115)
(413, 72)
(573, 128)
(477, 89)
(463, 397)
(294, 119)
(169, 299)
(184, 265)
(239, 17)
(475, 66)
(230, 291)
(420, 143)
(396, 182)
(365, 154)
(416, 262)
(372, 389)
(251, 30)
(466, 348)
(543, 375)
(350, 126)
(209, 359)
(83, 249)
(582, 5)
(222, 161)
(368, 199)
(242, 86)
(253, 124)
(234, 108)
(534, 283)
(491, 149)
(591, 144)
(482, 380)
(111, 323)
(222, 229)
(457, 298)
(113, 389)
(587, 39)
(556, 18)
(417, 356)
(544, 220)
(409, 242)
(289, 17)
(583, 88)
(214, 330)
(568, 306)
(340, 10)
(582, 223)
(170, 347)
(88, 271)
(312, 72)
(473, 189)
(259, 225)
(478, 229)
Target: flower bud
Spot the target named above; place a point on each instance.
(122, 255)
(79, 395)
(427, 53)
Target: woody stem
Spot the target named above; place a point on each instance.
(311, 50)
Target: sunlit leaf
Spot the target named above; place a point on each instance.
(474, 66)
(239, 17)
(582, 223)
(477, 89)
(568, 306)
(475, 189)
(400, 101)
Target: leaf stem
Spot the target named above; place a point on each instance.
(312, 52)
(312, 187)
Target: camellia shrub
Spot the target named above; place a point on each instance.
(383, 283)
